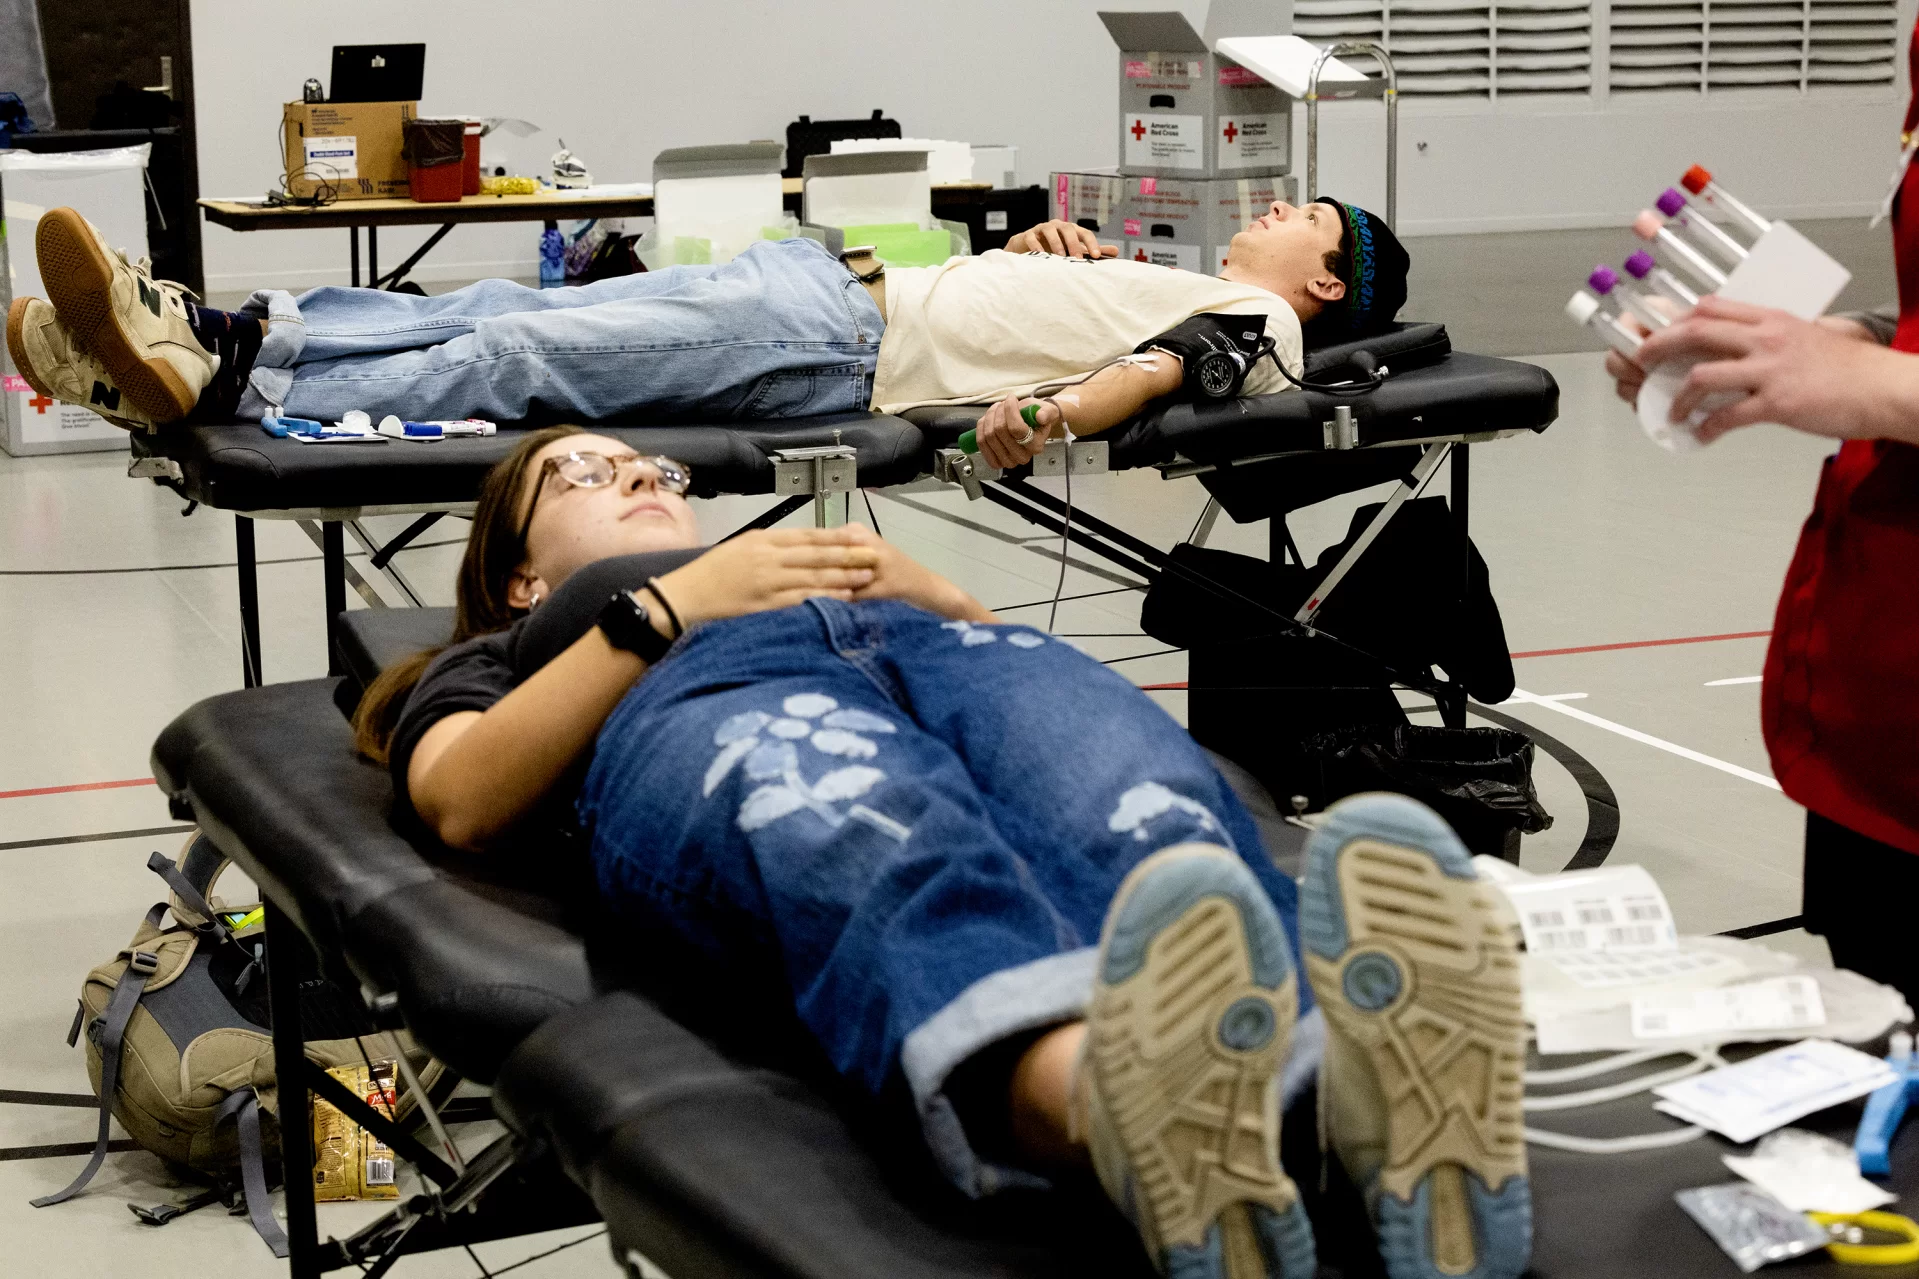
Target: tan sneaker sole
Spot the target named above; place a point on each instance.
(17, 349)
(79, 276)
(1418, 977)
(1190, 1026)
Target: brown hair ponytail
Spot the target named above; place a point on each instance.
(493, 552)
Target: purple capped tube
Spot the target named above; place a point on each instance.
(1702, 230)
(1642, 266)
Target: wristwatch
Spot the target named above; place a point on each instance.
(628, 625)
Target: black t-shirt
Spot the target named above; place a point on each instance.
(474, 675)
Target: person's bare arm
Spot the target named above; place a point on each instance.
(474, 774)
(1061, 239)
(1101, 402)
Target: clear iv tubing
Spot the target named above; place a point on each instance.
(1613, 1145)
(1704, 1060)
(1698, 180)
(1649, 226)
(1673, 205)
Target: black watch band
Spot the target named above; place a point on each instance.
(628, 625)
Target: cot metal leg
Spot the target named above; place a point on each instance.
(1203, 531)
(387, 566)
(333, 552)
(250, 676)
(353, 251)
(373, 256)
(288, 962)
(1454, 715)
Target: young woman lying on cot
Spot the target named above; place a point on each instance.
(957, 848)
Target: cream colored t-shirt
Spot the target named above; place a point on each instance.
(978, 329)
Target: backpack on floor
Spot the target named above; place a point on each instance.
(179, 1046)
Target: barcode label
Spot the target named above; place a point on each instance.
(379, 1172)
(1654, 1024)
(1603, 910)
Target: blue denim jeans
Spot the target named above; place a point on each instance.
(913, 827)
(782, 330)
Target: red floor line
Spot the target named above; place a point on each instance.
(1550, 652)
(1659, 643)
(64, 790)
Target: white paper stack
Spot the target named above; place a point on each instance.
(1748, 1100)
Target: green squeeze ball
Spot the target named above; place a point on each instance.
(969, 442)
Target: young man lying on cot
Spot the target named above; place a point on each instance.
(782, 330)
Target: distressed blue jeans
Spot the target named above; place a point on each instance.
(914, 826)
(782, 330)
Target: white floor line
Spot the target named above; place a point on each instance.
(1553, 704)
(1737, 679)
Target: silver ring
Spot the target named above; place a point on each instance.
(1026, 438)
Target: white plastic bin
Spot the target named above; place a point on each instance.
(109, 189)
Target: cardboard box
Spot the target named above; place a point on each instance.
(1091, 200)
(354, 146)
(1190, 222)
(1185, 111)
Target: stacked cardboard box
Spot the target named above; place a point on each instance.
(1205, 145)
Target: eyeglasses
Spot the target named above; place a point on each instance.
(597, 470)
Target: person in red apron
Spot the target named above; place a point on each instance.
(1840, 702)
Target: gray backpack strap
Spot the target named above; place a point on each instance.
(141, 965)
(187, 892)
(244, 1106)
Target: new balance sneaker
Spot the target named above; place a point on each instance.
(53, 364)
(1191, 1019)
(136, 326)
(1421, 1089)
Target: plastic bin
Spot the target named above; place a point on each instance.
(470, 162)
(436, 160)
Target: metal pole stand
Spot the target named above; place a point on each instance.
(1340, 90)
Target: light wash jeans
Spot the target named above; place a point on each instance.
(908, 829)
(782, 330)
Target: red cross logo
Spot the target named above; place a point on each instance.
(41, 404)
(1232, 131)
(1139, 130)
(1141, 256)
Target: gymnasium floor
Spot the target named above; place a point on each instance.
(1636, 588)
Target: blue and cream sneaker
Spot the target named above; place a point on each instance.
(1191, 1019)
(1421, 1089)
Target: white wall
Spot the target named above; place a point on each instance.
(623, 79)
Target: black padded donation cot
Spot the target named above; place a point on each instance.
(1259, 456)
(706, 1155)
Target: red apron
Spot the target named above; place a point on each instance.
(1841, 698)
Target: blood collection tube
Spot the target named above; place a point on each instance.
(1584, 308)
(1616, 295)
(1698, 180)
(1642, 266)
(1673, 205)
(1649, 226)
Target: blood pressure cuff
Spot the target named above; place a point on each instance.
(1215, 351)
